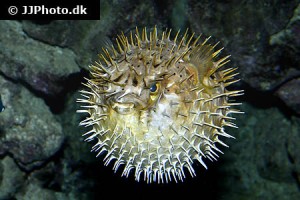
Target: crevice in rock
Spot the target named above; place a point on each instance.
(28, 170)
(41, 40)
(297, 179)
(56, 102)
(264, 100)
(71, 84)
(294, 174)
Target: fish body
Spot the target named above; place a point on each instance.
(156, 105)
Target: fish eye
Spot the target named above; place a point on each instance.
(154, 87)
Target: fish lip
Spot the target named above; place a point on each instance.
(127, 104)
(123, 107)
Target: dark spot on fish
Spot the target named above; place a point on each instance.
(134, 81)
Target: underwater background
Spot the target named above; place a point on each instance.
(42, 65)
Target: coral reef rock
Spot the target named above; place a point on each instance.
(41, 66)
(29, 132)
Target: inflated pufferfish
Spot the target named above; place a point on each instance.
(156, 105)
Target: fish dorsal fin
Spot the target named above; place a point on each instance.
(202, 58)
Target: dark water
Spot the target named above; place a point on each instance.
(43, 64)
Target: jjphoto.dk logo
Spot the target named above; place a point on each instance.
(43, 10)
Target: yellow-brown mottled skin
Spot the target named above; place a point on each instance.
(155, 105)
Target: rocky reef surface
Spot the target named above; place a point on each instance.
(42, 155)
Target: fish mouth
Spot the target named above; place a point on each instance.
(127, 104)
(123, 108)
